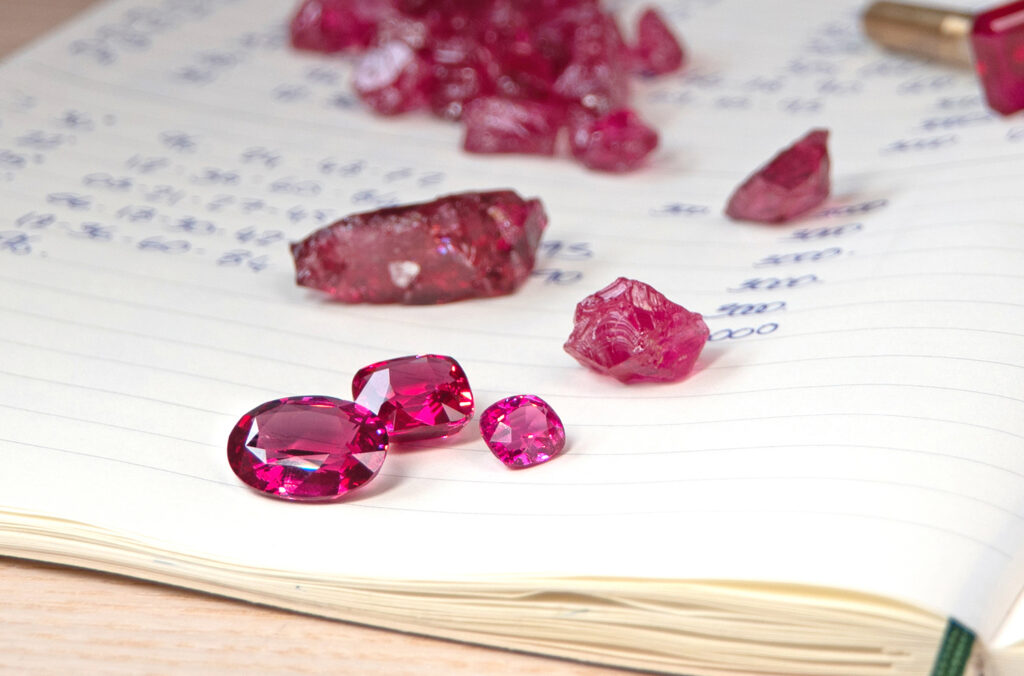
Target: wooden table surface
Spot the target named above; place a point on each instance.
(69, 621)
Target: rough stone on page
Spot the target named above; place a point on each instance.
(793, 183)
(335, 25)
(616, 142)
(630, 331)
(469, 245)
(657, 49)
(496, 125)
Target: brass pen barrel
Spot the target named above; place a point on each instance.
(941, 34)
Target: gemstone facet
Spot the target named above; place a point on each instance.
(307, 448)
(793, 183)
(630, 331)
(417, 397)
(470, 245)
(522, 431)
(997, 39)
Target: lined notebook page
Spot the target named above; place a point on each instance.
(857, 420)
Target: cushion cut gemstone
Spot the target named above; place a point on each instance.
(522, 431)
(307, 448)
(459, 246)
(657, 50)
(997, 39)
(630, 331)
(793, 183)
(417, 397)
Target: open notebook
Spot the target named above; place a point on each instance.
(842, 477)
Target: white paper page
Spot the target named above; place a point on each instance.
(156, 157)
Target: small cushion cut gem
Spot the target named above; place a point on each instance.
(997, 39)
(793, 183)
(630, 331)
(522, 431)
(307, 448)
(418, 397)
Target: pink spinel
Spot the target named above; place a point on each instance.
(459, 246)
(522, 431)
(417, 397)
(793, 183)
(393, 79)
(616, 142)
(633, 333)
(307, 448)
(997, 39)
(495, 125)
(657, 51)
(334, 25)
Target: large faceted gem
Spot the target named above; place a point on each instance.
(793, 183)
(307, 448)
(998, 42)
(522, 431)
(418, 397)
(631, 332)
(459, 246)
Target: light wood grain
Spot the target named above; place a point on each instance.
(56, 620)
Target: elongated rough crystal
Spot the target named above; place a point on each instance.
(630, 331)
(793, 183)
(417, 397)
(522, 431)
(468, 245)
(616, 142)
(657, 50)
(307, 448)
(496, 125)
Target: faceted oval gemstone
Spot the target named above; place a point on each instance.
(417, 397)
(307, 448)
(522, 431)
(793, 183)
(630, 331)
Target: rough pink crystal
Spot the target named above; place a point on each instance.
(417, 397)
(616, 142)
(460, 246)
(334, 25)
(997, 38)
(393, 79)
(793, 183)
(522, 431)
(630, 331)
(496, 125)
(307, 448)
(657, 51)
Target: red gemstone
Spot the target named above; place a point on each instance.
(998, 42)
(522, 431)
(417, 397)
(630, 331)
(334, 25)
(307, 448)
(495, 125)
(393, 79)
(459, 246)
(616, 142)
(793, 183)
(657, 51)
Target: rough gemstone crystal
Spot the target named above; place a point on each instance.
(334, 25)
(997, 39)
(393, 79)
(657, 50)
(616, 142)
(496, 125)
(793, 183)
(522, 431)
(630, 331)
(417, 397)
(458, 246)
(307, 448)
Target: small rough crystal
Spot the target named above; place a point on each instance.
(630, 331)
(497, 125)
(997, 39)
(335, 25)
(393, 79)
(616, 142)
(307, 448)
(657, 51)
(522, 431)
(793, 183)
(470, 245)
(417, 397)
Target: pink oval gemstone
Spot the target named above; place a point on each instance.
(417, 397)
(522, 431)
(307, 448)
